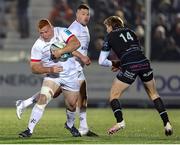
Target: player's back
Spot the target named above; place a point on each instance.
(125, 44)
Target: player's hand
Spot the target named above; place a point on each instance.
(56, 53)
(56, 69)
(116, 63)
(86, 60)
(115, 69)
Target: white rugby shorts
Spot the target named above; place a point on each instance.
(69, 83)
(81, 75)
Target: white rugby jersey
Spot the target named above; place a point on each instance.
(82, 33)
(40, 51)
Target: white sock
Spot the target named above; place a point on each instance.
(82, 118)
(70, 118)
(30, 100)
(36, 115)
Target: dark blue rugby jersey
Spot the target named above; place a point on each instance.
(124, 43)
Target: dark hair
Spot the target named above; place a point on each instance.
(83, 6)
(114, 21)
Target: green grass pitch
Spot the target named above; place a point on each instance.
(143, 126)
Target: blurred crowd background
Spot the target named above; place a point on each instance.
(19, 19)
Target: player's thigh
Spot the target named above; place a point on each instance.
(48, 89)
(57, 93)
(118, 87)
(82, 82)
(71, 97)
(51, 84)
(83, 89)
(82, 99)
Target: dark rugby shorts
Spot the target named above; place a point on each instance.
(130, 71)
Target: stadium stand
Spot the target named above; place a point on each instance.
(14, 48)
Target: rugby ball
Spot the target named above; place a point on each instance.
(61, 45)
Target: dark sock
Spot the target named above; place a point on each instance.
(161, 109)
(116, 107)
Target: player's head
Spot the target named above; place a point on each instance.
(113, 22)
(83, 14)
(45, 29)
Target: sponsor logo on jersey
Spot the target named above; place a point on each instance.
(67, 32)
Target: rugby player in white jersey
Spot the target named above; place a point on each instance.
(80, 30)
(59, 74)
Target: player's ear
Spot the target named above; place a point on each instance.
(77, 14)
(52, 27)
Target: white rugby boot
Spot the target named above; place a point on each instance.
(83, 131)
(168, 129)
(19, 108)
(87, 132)
(117, 127)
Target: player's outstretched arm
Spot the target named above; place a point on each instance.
(103, 61)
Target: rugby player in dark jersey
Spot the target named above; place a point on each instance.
(124, 42)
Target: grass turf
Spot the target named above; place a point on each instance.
(143, 126)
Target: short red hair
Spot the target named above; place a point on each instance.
(43, 22)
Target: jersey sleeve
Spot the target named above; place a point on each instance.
(103, 58)
(36, 54)
(106, 45)
(103, 61)
(66, 34)
(75, 30)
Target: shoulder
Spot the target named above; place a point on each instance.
(74, 24)
(61, 31)
(108, 36)
(38, 43)
(75, 27)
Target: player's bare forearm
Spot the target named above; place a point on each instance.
(72, 45)
(77, 54)
(37, 68)
(85, 59)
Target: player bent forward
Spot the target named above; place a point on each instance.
(80, 30)
(60, 74)
(125, 44)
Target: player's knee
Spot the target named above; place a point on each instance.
(47, 92)
(72, 105)
(154, 96)
(82, 104)
(71, 108)
(42, 99)
(114, 96)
